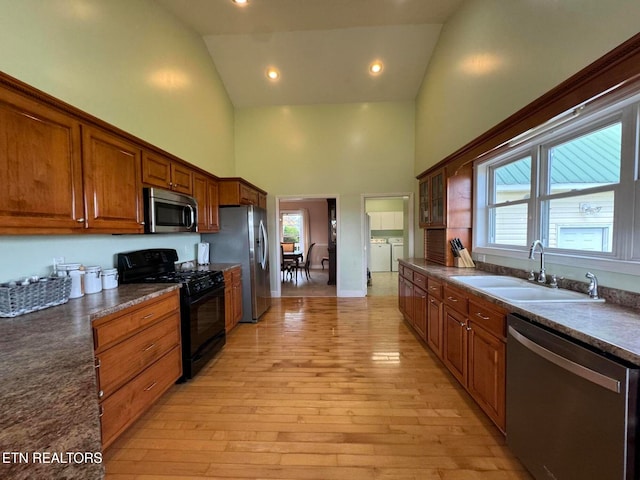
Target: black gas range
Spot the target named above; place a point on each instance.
(201, 301)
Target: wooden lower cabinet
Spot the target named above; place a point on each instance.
(138, 357)
(466, 332)
(454, 346)
(420, 312)
(232, 298)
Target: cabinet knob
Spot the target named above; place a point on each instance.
(80, 220)
(101, 394)
(468, 329)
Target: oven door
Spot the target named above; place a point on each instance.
(203, 329)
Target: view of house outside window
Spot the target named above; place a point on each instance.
(574, 188)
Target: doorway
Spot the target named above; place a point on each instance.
(305, 223)
(387, 237)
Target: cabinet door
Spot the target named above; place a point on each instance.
(112, 183)
(398, 221)
(420, 312)
(156, 170)
(387, 221)
(454, 347)
(213, 218)
(205, 191)
(487, 367)
(409, 307)
(437, 200)
(237, 295)
(434, 324)
(40, 168)
(424, 208)
(181, 179)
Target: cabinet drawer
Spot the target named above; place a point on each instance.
(113, 328)
(456, 299)
(434, 288)
(123, 407)
(491, 319)
(408, 274)
(126, 359)
(420, 280)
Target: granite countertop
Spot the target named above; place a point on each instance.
(611, 328)
(48, 391)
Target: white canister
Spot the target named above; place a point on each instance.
(92, 281)
(73, 270)
(109, 278)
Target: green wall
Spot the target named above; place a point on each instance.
(133, 65)
(129, 63)
(340, 151)
(496, 56)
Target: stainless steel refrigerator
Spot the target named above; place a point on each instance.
(243, 239)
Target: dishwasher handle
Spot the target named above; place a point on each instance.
(573, 367)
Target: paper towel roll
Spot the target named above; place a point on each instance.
(203, 254)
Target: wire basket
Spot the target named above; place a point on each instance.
(47, 292)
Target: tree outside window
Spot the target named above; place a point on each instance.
(292, 228)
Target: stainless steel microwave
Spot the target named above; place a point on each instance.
(169, 212)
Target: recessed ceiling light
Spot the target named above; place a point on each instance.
(240, 2)
(273, 73)
(376, 67)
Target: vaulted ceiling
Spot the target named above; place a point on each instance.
(322, 49)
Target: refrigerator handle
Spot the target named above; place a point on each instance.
(265, 245)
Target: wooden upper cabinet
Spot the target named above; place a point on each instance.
(205, 191)
(163, 172)
(237, 191)
(445, 208)
(112, 183)
(40, 168)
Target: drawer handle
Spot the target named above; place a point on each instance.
(433, 288)
(454, 300)
(150, 386)
(148, 316)
(468, 329)
(149, 347)
(97, 363)
(432, 301)
(478, 314)
(462, 324)
(101, 412)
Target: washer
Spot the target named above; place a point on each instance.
(380, 255)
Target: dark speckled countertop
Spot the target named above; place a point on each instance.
(48, 400)
(611, 328)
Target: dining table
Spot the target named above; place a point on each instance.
(295, 256)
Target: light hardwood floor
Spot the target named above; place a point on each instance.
(320, 388)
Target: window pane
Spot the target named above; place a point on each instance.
(583, 222)
(512, 181)
(509, 224)
(588, 161)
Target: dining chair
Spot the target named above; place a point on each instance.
(286, 266)
(288, 246)
(307, 263)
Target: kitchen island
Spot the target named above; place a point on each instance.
(49, 416)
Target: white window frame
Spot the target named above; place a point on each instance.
(623, 105)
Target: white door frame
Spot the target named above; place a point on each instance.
(277, 292)
(365, 238)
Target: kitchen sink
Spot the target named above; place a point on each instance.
(517, 290)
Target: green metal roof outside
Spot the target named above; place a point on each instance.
(590, 159)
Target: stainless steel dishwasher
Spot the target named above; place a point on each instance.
(571, 411)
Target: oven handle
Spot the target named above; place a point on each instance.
(566, 364)
(265, 245)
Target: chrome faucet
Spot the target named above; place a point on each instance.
(542, 277)
(593, 285)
